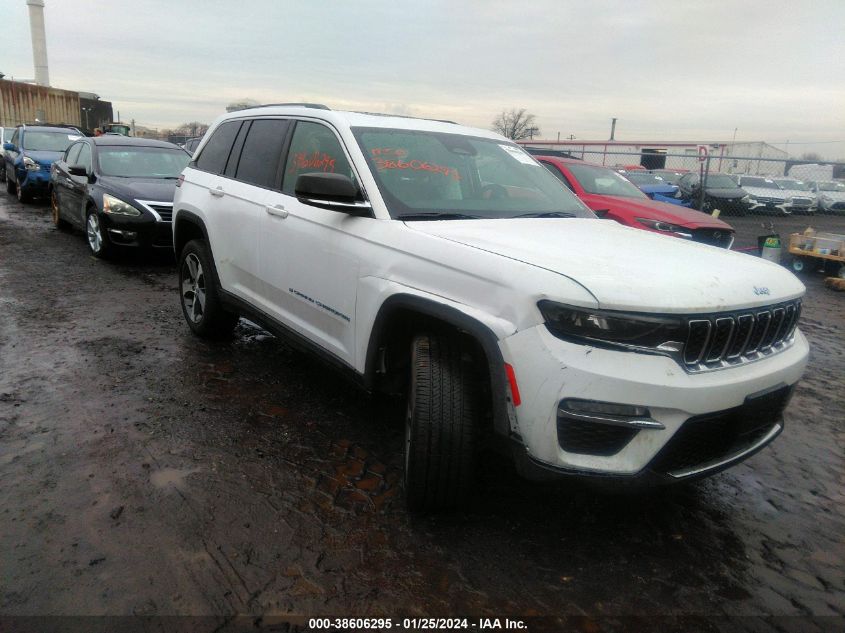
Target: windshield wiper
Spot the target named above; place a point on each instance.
(437, 215)
(548, 214)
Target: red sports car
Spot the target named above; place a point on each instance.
(604, 190)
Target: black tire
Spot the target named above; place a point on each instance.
(58, 222)
(100, 247)
(23, 196)
(440, 424)
(10, 186)
(206, 318)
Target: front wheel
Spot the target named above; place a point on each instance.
(98, 243)
(24, 196)
(10, 185)
(199, 294)
(440, 424)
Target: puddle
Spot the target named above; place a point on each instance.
(171, 476)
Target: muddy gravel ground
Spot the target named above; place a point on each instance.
(146, 472)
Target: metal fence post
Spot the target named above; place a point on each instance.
(704, 169)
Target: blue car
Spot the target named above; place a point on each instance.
(29, 155)
(655, 187)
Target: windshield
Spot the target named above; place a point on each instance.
(48, 141)
(639, 178)
(831, 186)
(753, 181)
(433, 175)
(141, 162)
(798, 185)
(720, 181)
(603, 181)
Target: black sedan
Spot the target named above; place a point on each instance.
(118, 190)
(721, 192)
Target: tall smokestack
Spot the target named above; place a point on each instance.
(39, 41)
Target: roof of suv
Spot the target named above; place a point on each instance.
(342, 118)
(50, 128)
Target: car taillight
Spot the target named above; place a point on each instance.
(180, 180)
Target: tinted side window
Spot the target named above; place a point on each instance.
(314, 148)
(72, 154)
(16, 138)
(262, 150)
(216, 151)
(85, 157)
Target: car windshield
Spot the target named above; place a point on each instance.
(141, 162)
(433, 175)
(831, 186)
(798, 185)
(640, 178)
(48, 141)
(603, 181)
(761, 183)
(720, 181)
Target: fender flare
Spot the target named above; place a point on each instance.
(485, 337)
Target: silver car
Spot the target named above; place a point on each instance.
(803, 200)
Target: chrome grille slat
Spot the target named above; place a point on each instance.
(724, 340)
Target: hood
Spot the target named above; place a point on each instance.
(43, 157)
(762, 192)
(625, 268)
(663, 211)
(722, 194)
(152, 189)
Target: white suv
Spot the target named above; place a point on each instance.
(445, 264)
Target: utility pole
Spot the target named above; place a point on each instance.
(613, 129)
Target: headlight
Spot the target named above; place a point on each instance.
(118, 207)
(659, 225)
(747, 199)
(615, 329)
(30, 164)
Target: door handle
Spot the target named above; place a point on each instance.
(279, 211)
(217, 192)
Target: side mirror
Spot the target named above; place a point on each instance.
(77, 170)
(334, 192)
(9, 147)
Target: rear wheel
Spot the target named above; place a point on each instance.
(200, 298)
(58, 222)
(440, 424)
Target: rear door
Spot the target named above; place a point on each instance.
(62, 182)
(251, 188)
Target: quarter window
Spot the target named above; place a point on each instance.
(314, 148)
(262, 150)
(216, 152)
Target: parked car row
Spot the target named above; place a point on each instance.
(444, 267)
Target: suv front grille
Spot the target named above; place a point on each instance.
(722, 340)
(164, 212)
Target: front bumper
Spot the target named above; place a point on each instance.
(549, 370)
(34, 182)
(137, 232)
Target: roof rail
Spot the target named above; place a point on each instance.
(405, 116)
(316, 106)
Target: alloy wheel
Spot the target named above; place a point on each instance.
(92, 230)
(193, 288)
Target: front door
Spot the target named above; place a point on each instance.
(309, 257)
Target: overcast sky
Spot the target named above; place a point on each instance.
(669, 70)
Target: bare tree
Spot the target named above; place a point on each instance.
(515, 124)
(194, 128)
